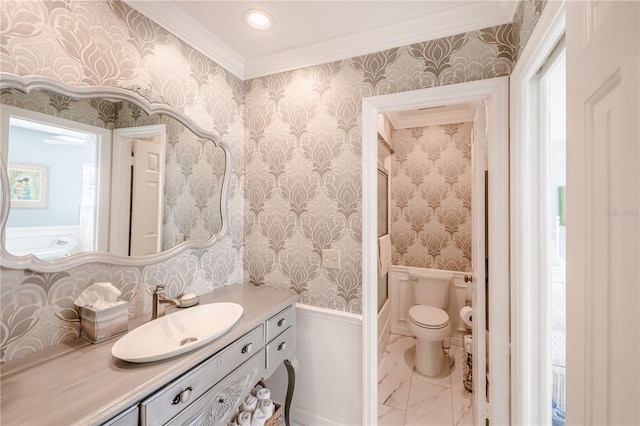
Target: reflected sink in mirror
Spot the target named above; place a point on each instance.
(177, 333)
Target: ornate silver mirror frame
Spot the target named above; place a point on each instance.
(31, 262)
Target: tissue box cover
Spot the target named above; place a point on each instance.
(97, 325)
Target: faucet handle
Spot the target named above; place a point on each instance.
(159, 289)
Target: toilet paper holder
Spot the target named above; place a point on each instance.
(466, 315)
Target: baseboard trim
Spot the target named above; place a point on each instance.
(304, 418)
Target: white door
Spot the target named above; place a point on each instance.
(478, 238)
(122, 209)
(145, 200)
(603, 213)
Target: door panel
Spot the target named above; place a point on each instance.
(603, 205)
(145, 202)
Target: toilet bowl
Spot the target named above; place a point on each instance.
(427, 319)
(430, 325)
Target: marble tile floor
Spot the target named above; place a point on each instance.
(406, 397)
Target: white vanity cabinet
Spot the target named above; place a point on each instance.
(210, 393)
(280, 338)
(169, 401)
(204, 386)
(127, 418)
(219, 404)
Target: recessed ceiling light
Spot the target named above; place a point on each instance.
(258, 19)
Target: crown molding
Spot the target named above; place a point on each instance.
(172, 18)
(459, 17)
(510, 8)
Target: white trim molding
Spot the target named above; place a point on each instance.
(495, 91)
(168, 15)
(528, 404)
(455, 18)
(458, 18)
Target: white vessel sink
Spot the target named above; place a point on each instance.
(177, 333)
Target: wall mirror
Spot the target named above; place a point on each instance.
(101, 175)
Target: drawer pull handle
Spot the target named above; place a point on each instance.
(282, 345)
(247, 349)
(281, 322)
(182, 396)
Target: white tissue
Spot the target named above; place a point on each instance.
(466, 315)
(98, 296)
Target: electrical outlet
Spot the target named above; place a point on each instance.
(331, 259)
(178, 238)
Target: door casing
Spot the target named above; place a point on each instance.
(530, 388)
(495, 91)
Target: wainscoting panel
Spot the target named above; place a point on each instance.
(401, 296)
(328, 368)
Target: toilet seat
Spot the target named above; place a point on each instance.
(428, 317)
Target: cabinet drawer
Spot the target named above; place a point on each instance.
(128, 417)
(179, 394)
(280, 322)
(221, 402)
(279, 349)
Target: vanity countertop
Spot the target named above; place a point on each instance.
(82, 383)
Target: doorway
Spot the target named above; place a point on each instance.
(531, 320)
(427, 154)
(494, 91)
(138, 188)
(552, 106)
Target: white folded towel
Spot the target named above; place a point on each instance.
(266, 406)
(249, 404)
(263, 393)
(258, 418)
(244, 419)
(256, 388)
(384, 254)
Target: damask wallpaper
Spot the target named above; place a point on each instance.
(303, 154)
(431, 197)
(194, 168)
(106, 43)
(524, 22)
(294, 140)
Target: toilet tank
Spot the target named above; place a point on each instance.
(431, 286)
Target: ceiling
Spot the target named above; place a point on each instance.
(313, 32)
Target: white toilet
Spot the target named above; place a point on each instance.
(428, 320)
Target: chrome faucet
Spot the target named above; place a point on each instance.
(159, 302)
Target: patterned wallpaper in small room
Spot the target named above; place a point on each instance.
(526, 17)
(106, 43)
(303, 153)
(194, 169)
(299, 133)
(431, 197)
